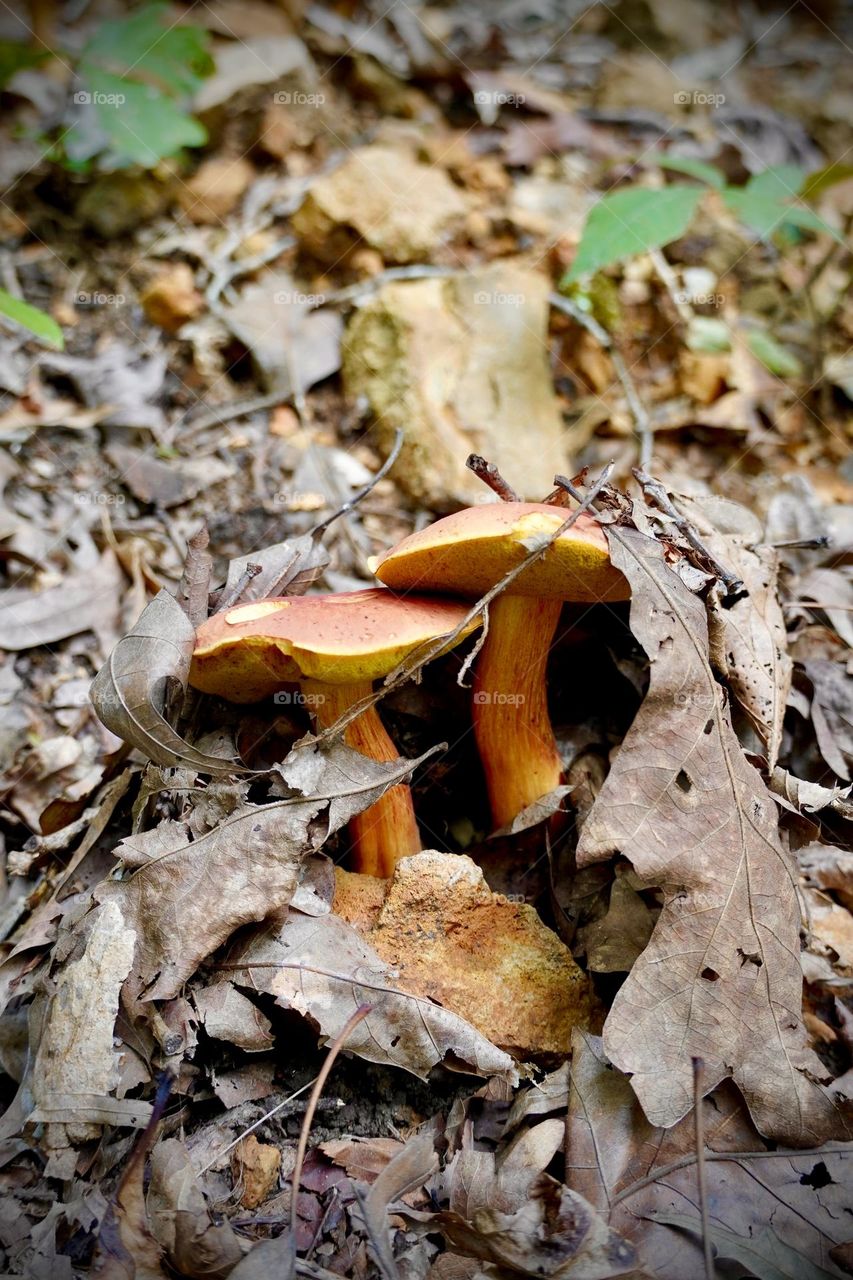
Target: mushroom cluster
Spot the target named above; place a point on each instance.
(334, 646)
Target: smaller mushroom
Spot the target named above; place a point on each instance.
(334, 647)
(465, 554)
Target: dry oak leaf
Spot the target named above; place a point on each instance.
(628, 1170)
(749, 641)
(720, 979)
(190, 891)
(319, 966)
(186, 897)
(179, 1218)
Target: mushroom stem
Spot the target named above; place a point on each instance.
(388, 830)
(517, 747)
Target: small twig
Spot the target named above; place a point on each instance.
(802, 544)
(489, 474)
(701, 1172)
(368, 488)
(361, 1012)
(353, 292)
(816, 604)
(653, 489)
(635, 404)
(667, 277)
(240, 586)
(235, 409)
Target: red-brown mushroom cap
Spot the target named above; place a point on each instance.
(468, 552)
(250, 651)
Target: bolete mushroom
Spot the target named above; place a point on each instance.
(334, 647)
(465, 554)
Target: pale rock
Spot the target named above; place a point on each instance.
(460, 365)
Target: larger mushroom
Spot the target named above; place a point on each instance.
(466, 554)
(334, 647)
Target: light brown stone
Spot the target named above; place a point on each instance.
(171, 298)
(215, 188)
(383, 198)
(488, 959)
(460, 365)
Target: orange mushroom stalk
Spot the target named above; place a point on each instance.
(334, 647)
(465, 554)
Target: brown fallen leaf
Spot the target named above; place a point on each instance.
(832, 714)
(126, 1249)
(720, 979)
(748, 637)
(555, 1232)
(192, 886)
(630, 1170)
(319, 966)
(228, 1015)
(180, 1220)
(87, 601)
(132, 688)
(165, 484)
(410, 1168)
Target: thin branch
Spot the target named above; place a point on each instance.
(420, 657)
(489, 474)
(653, 489)
(361, 1012)
(701, 1172)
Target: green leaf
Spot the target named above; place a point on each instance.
(146, 45)
(31, 318)
(630, 222)
(698, 169)
(131, 123)
(708, 334)
(819, 181)
(16, 57)
(763, 1254)
(773, 356)
(136, 76)
(765, 204)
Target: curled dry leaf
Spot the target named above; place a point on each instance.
(553, 1232)
(179, 1218)
(748, 638)
(320, 966)
(286, 569)
(721, 978)
(409, 1168)
(832, 714)
(131, 691)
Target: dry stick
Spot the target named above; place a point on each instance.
(653, 489)
(361, 1012)
(701, 1173)
(411, 665)
(489, 474)
(635, 404)
(251, 571)
(368, 488)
